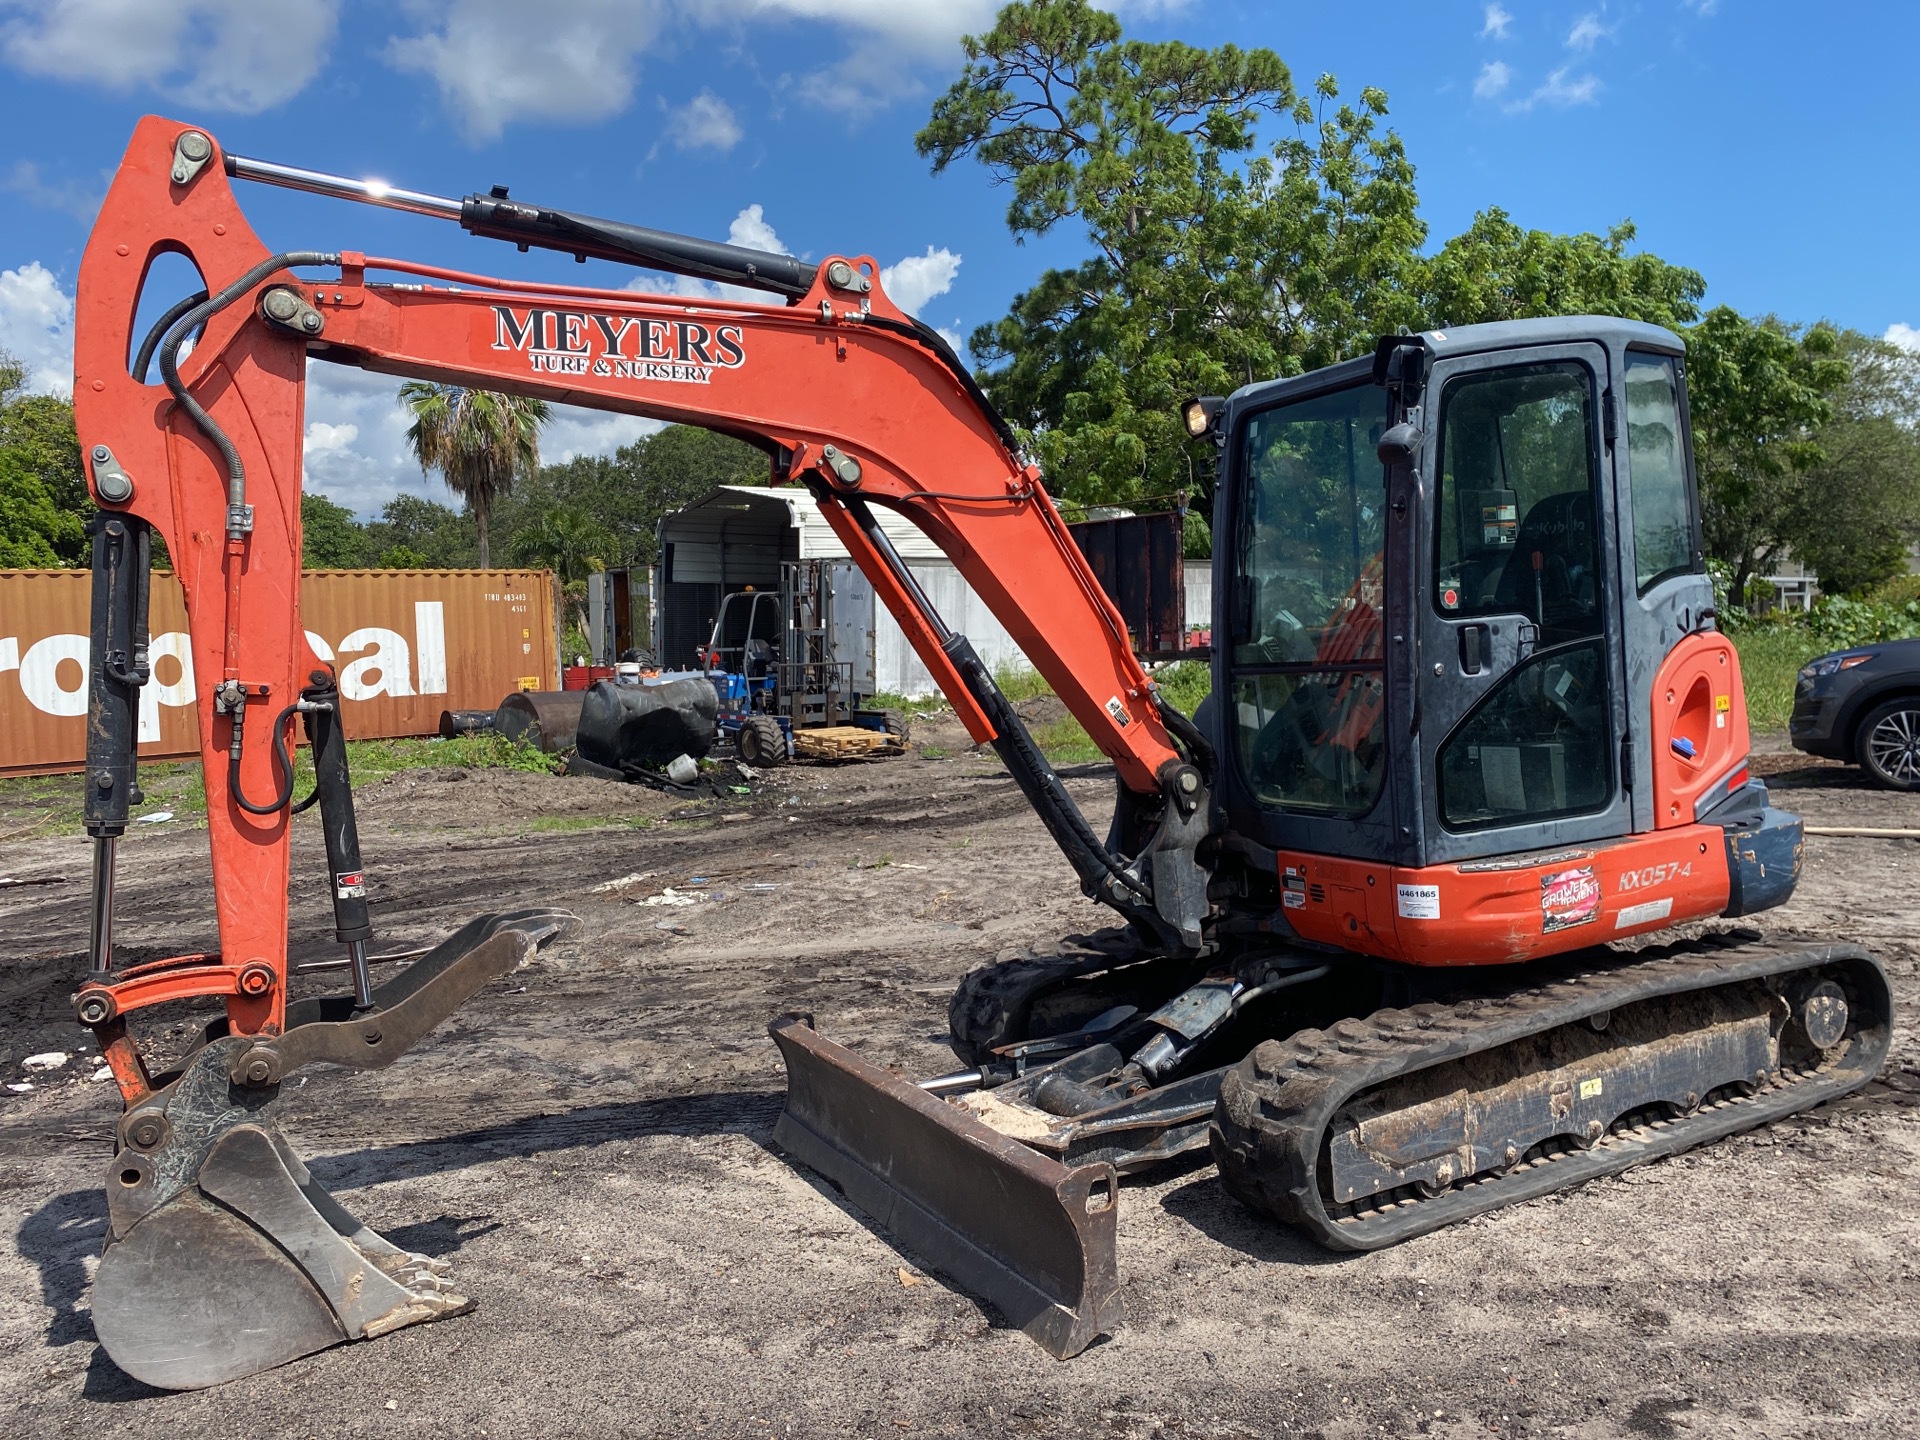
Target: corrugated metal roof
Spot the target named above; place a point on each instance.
(817, 540)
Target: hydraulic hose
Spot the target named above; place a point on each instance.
(144, 357)
(195, 319)
(281, 757)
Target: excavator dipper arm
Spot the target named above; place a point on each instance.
(850, 396)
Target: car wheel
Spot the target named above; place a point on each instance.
(1887, 744)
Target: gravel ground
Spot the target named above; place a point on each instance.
(589, 1143)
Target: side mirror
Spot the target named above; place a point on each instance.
(1398, 445)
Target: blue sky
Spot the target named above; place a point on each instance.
(1769, 145)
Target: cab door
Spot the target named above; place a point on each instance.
(1518, 653)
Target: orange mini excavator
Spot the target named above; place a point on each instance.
(1471, 724)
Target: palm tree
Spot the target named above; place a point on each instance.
(569, 542)
(479, 440)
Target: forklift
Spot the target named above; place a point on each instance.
(783, 695)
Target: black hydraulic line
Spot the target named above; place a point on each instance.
(281, 757)
(144, 357)
(1199, 749)
(196, 319)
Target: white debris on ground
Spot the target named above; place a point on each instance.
(47, 1060)
(671, 896)
(624, 882)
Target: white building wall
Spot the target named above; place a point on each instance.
(898, 669)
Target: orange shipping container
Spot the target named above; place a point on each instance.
(407, 644)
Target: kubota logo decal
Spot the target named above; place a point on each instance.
(618, 347)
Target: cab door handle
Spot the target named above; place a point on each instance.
(1473, 649)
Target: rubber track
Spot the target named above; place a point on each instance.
(1275, 1107)
(990, 1005)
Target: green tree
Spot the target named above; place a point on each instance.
(1855, 514)
(44, 503)
(1209, 268)
(678, 465)
(33, 530)
(1494, 270)
(414, 533)
(480, 441)
(1758, 391)
(570, 543)
(626, 493)
(331, 537)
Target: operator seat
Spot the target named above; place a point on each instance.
(1560, 530)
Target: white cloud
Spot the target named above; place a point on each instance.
(356, 444)
(1907, 337)
(68, 197)
(322, 436)
(1493, 80)
(912, 282)
(705, 122)
(1586, 33)
(501, 61)
(36, 327)
(1561, 91)
(1497, 21)
(498, 61)
(243, 55)
(750, 228)
(893, 41)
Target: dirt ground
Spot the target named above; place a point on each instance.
(589, 1143)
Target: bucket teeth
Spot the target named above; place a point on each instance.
(250, 1265)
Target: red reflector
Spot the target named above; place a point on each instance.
(1737, 779)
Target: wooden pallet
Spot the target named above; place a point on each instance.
(843, 742)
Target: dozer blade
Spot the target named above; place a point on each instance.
(224, 1256)
(1025, 1233)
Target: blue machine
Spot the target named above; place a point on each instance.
(770, 660)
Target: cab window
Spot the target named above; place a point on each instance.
(1515, 513)
(1663, 541)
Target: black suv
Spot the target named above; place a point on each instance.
(1864, 706)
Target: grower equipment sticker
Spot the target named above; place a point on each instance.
(1569, 898)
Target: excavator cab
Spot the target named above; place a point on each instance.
(1464, 606)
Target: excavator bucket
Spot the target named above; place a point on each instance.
(1026, 1233)
(224, 1256)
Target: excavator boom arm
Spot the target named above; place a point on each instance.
(852, 398)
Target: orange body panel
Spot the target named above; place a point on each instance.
(1501, 912)
(1698, 700)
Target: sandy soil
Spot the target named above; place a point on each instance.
(588, 1141)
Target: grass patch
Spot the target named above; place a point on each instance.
(547, 823)
(1185, 683)
(37, 805)
(1770, 658)
(1064, 742)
